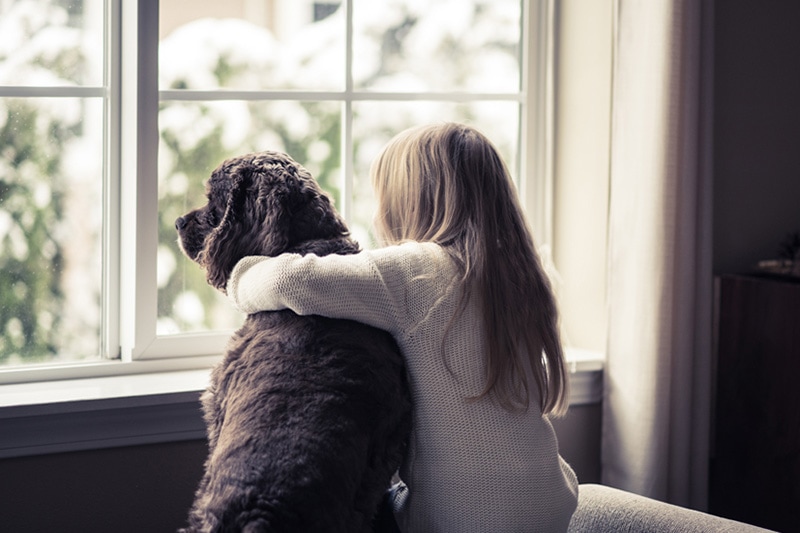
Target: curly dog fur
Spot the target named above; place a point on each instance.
(307, 417)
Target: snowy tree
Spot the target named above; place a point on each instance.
(47, 306)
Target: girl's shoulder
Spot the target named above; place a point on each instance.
(413, 249)
(420, 276)
(421, 257)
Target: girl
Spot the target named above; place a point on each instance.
(462, 290)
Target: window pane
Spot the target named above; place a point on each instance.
(51, 43)
(51, 193)
(446, 45)
(195, 138)
(255, 45)
(375, 123)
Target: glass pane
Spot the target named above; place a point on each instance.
(51, 193)
(254, 45)
(442, 46)
(195, 138)
(375, 123)
(51, 43)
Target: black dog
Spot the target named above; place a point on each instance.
(307, 416)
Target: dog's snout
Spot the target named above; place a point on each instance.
(180, 223)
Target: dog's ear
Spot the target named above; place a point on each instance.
(221, 249)
(272, 197)
(255, 220)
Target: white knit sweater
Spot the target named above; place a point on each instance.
(471, 465)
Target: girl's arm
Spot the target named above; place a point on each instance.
(385, 288)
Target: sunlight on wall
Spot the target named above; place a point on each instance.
(583, 89)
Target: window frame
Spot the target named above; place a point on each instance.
(129, 341)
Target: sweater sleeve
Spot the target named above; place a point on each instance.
(374, 287)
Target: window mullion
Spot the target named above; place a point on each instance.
(537, 83)
(22, 91)
(111, 183)
(139, 178)
(347, 119)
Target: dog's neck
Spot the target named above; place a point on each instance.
(341, 245)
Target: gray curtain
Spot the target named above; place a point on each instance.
(658, 375)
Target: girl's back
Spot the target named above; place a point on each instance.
(472, 465)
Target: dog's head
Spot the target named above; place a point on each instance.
(258, 204)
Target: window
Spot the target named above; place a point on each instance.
(113, 114)
(54, 107)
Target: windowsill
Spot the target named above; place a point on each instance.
(586, 376)
(103, 412)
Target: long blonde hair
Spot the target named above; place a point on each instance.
(446, 183)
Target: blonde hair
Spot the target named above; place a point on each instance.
(446, 183)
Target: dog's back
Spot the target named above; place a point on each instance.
(307, 418)
(311, 426)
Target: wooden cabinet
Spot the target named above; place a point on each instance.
(755, 463)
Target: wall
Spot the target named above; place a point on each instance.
(756, 130)
(579, 440)
(150, 488)
(136, 489)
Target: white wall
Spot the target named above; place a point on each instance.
(583, 101)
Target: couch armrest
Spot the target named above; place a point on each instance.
(605, 509)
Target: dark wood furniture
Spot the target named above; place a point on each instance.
(755, 464)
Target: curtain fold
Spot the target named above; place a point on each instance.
(658, 375)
